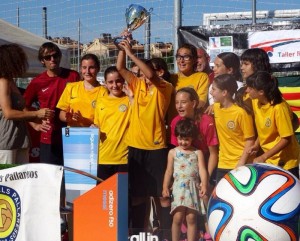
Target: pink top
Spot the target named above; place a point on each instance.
(207, 130)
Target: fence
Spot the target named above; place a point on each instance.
(87, 20)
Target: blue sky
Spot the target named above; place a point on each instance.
(107, 16)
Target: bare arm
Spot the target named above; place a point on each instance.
(275, 149)
(121, 66)
(243, 160)
(13, 114)
(73, 118)
(213, 159)
(168, 174)
(147, 71)
(203, 174)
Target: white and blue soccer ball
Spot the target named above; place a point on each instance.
(257, 202)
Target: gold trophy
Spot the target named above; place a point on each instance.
(135, 16)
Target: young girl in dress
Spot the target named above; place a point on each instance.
(273, 123)
(186, 165)
(234, 125)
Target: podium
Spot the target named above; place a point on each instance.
(80, 150)
(102, 212)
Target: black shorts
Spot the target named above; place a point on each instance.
(106, 171)
(51, 154)
(146, 169)
(221, 173)
(294, 171)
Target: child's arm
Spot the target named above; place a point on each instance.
(248, 144)
(147, 71)
(203, 174)
(252, 150)
(284, 141)
(168, 174)
(121, 66)
(212, 160)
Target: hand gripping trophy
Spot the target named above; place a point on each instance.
(135, 16)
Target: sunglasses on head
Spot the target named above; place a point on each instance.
(48, 57)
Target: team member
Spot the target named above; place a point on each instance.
(186, 59)
(234, 125)
(78, 101)
(147, 156)
(112, 116)
(273, 123)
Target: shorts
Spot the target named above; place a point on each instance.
(51, 154)
(221, 173)
(106, 171)
(146, 169)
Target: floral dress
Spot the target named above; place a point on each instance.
(186, 181)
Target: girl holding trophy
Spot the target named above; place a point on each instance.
(147, 155)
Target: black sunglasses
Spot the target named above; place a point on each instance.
(48, 57)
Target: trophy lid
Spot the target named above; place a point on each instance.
(135, 16)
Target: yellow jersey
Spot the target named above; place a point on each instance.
(75, 97)
(112, 116)
(147, 128)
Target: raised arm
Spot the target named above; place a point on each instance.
(121, 66)
(144, 68)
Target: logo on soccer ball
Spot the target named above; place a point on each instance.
(10, 210)
(255, 202)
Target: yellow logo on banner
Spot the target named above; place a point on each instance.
(10, 211)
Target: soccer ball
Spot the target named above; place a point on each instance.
(255, 202)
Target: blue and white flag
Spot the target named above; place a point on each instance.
(29, 203)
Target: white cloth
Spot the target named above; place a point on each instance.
(29, 202)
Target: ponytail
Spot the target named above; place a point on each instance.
(264, 81)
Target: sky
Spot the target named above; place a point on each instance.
(107, 16)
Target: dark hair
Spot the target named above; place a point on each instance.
(160, 64)
(109, 70)
(92, 57)
(262, 80)
(186, 128)
(191, 47)
(231, 60)
(258, 58)
(13, 61)
(49, 46)
(227, 82)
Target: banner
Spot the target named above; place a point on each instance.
(102, 213)
(282, 46)
(29, 203)
(80, 147)
(219, 45)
